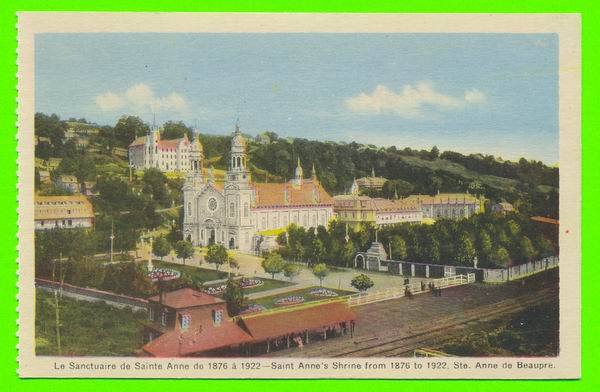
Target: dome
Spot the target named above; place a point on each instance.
(238, 139)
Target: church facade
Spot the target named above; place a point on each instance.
(237, 213)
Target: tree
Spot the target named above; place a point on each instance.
(273, 263)
(234, 297)
(320, 271)
(317, 250)
(398, 248)
(290, 270)
(161, 247)
(155, 183)
(217, 255)
(184, 250)
(128, 128)
(176, 130)
(526, 249)
(484, 246)
(544, 246)
(500, 257)
(465, 251)
(362, 282)
(347, 252)
(434, 153)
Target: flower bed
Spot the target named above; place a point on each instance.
(323, 292)
(253, 308)
(247, 283)
(215, 290)
(163, 274)
(291, 300)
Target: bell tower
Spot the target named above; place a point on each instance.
(238, 196)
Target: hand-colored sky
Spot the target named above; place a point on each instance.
(489, 93)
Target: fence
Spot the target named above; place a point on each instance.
(415, 288)
(519, 271)
(93, 295)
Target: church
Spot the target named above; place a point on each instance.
(151, 151)
(238, 213)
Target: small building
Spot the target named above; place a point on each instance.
(68, 182)
(187, 323)
(373, 259)
(373, 182)
(64, 212)
(503, 208)
(88, 188)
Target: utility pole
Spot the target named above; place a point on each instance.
(112, 240)
(57, 303)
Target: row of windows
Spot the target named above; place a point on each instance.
(185, 320)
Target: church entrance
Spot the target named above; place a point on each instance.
(211, 237)
(232, 243)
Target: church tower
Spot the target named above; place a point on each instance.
(238, 196)
(192, 187)
(298, 174)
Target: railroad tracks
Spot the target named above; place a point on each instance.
(444, 329)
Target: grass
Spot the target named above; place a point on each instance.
(196, 273)
(87, 328)
(269, 302)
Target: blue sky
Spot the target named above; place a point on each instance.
(489, 93)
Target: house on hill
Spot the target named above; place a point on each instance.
(151, 151)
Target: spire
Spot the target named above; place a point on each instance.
(395, 193)
(299, 173)
(314, 172)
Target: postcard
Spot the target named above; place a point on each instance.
(222, 195)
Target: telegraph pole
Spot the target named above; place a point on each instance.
(112, 240)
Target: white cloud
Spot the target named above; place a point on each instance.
(109, 102)
(141, 99)
(413, 102)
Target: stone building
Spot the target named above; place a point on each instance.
(356, 210)
(151, 151)
(236, 212)
(448, 205)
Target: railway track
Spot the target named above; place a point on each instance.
(445, 329)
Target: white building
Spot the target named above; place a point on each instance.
(448, 205)
(166, 155)
(236, 212)
(63, 212)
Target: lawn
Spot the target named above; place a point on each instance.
(87, 328)
(197, 274)
(305, 293)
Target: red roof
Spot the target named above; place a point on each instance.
(310, 192)
(177, 343)
(543, 219)
(186, 298)
(263, 327)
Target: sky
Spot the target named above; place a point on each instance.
(472, 93)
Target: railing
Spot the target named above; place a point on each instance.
(414, 288)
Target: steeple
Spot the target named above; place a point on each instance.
(238, 170)
(298, 174)
(314, 172)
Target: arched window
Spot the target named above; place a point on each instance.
(246, 210)
(231, 210)
(189, 208)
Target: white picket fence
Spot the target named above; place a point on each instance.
(415, 288)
